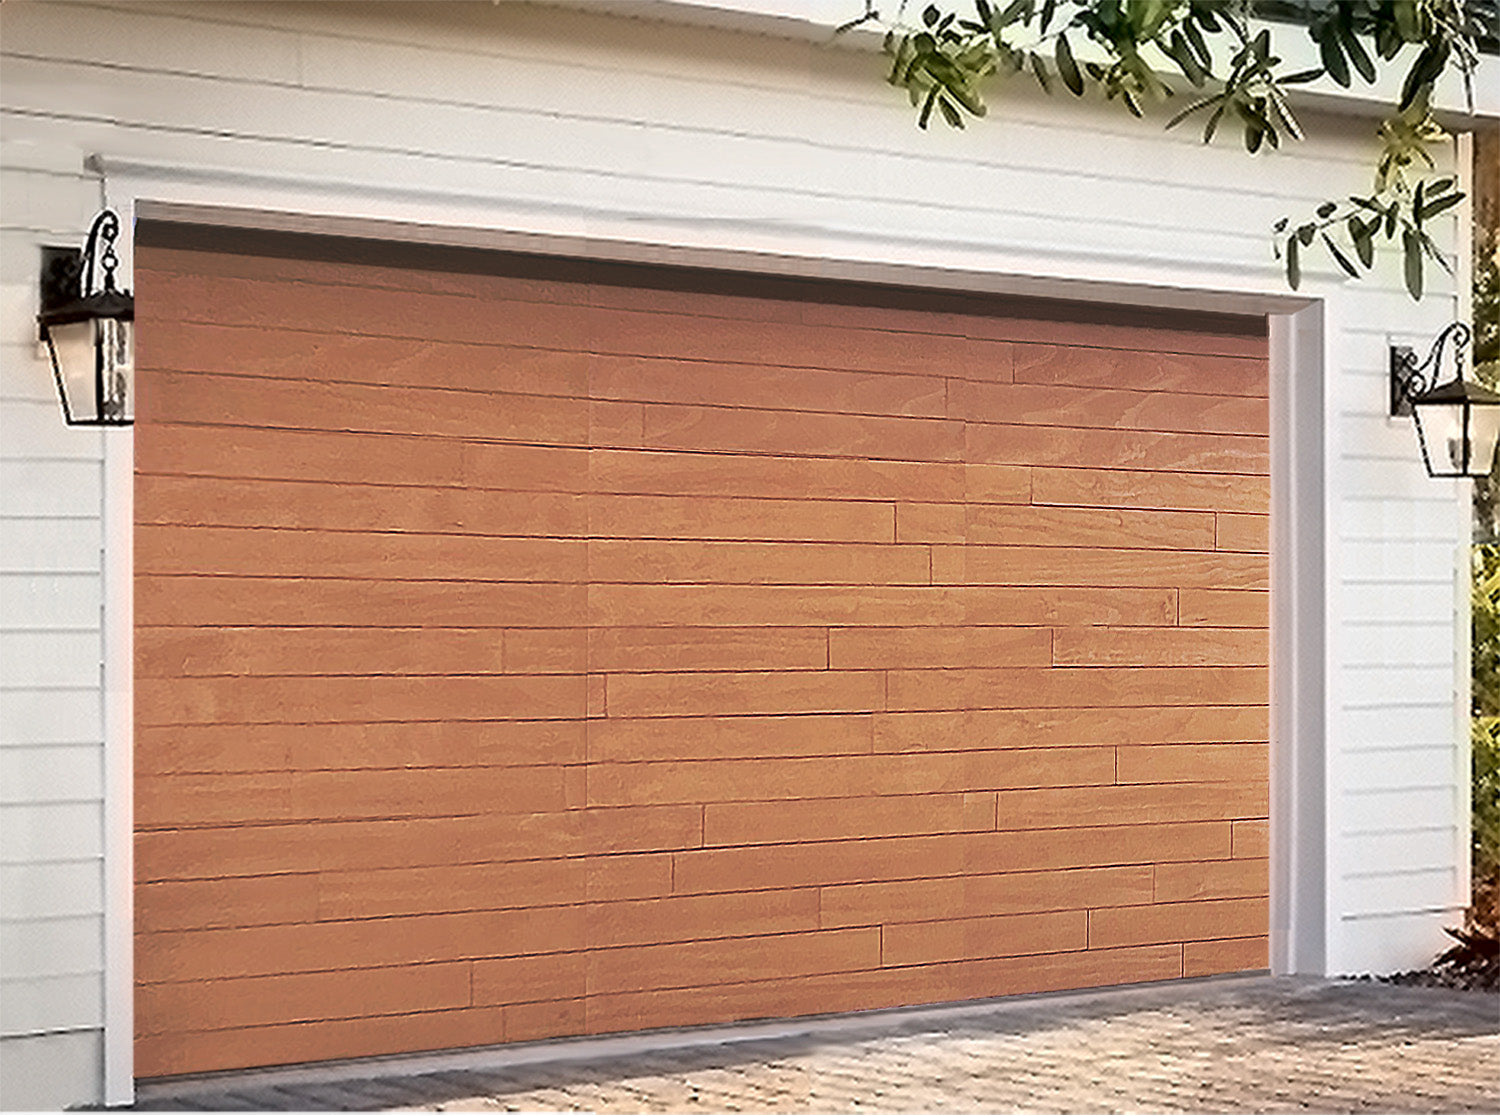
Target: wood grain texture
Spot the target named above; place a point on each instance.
(523, 656)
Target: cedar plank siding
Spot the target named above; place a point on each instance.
(522, 656)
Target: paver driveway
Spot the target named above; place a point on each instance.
(1257, 1044)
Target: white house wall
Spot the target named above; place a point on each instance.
(600, 125)
(51, 760)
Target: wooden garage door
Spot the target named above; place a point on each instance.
(529, 650)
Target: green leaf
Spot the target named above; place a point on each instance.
(930, 15)
(1424, 71)
(1067, 69)
(1008, 15)
(927, 106)
(1182, 54)
(1364, 240)
(1411, 246)
(986, 13)
(1339, 257)
(1406, 20)
(1213, 121)
(1200, 48)
(950, 114)
(1048, 9)
(1326, 209)
(1148, 15)
(1293, 263)
(1333, 57)
(1391, 213)
(1013, 11)
(1430, 247)
(1437, 205)
(1258, 129)
(1201, 103)
(1039, 68)
(1279, 226)
(1356, 52)
(1388, 41)
(1305, 233)
(1284, 111)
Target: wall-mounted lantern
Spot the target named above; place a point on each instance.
(89, 332)
(1458, 422)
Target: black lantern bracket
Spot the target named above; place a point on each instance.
(78, 290)
(1410, 378)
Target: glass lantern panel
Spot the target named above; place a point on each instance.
(1486, 432)
(117, 364)
(73, 355)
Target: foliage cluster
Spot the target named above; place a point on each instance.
(1486, 734)
(1239, 76)
(1487, 368)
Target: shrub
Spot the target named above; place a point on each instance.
(1486, 735)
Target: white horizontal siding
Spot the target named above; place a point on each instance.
(50, 1071)
(1392, 811)
(628, 151)
(1406, 850)
(51, 755)
(52, 947)
(50, 659)
(1404, 645)
(39, 1005)
(1365, 604)
(1421, 514)
(1371, 686)
(49, 831)
(1393, 769)
(30, 717)
(1418, 891)
(52, 601)
(51, 545)
(1391, 942)
(51, 773)
(54, 889)
(28, 378)
(41, 488)
(1393, 478)
(1425, 724)
(31, 427)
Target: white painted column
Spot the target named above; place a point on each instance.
(1299, 634)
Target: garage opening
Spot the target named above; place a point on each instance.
(532, 647)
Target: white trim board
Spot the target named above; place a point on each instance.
(119, 768)
(235, 199)
(1301, 586)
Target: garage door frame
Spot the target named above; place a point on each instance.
(1299, 327)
